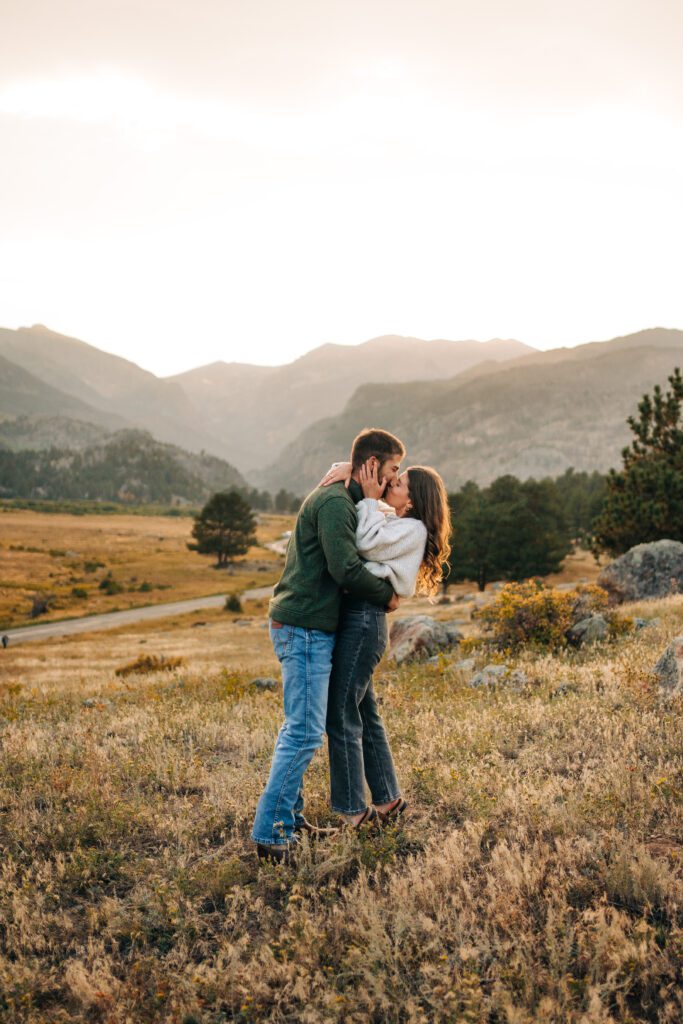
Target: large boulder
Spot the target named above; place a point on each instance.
(647, 570)
(669, 669)
(419, 637)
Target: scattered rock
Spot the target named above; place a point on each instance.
(646, 571)
(419, 637)
(262, 683)
(646, 623)
(466, 665)
(565, 687)
(454, 634)
(492, 675)
(669, 669)
(588, 631)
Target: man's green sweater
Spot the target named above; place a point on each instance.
(322, 560)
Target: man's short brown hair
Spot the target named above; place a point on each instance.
(379, 443)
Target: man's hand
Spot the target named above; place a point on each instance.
(394, 603)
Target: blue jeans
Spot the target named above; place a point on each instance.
(358, 745)
(306, 659)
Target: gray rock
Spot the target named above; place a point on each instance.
(466, 665)
(566, 687)
(93, 702)
(494, 675)
(669, 669)
(588, 631)
(454, 634)
(419, 637)
(646, 623)
(263, 683)
(646, 571)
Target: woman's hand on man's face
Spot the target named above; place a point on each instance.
(369, 480)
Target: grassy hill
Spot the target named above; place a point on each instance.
(128, 466)
(539, 878)
(534, 416)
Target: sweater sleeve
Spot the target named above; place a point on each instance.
(337, 536)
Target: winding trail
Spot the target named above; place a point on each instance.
(110, 620)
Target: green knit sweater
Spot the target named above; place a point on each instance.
(322, 560)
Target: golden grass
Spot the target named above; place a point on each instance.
(57, 554)
(539, 878)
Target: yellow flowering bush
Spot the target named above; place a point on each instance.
(532, 614)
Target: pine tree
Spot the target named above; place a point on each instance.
(645, 498)
(225, 527)
(510, 530)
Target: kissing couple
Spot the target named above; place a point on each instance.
(349, 561)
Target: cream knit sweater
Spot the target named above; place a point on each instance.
(393, 547)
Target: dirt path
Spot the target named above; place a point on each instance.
(93, 623)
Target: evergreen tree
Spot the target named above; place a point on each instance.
(472, 537)
(225, 527)
(581, 497)
(645, 498)
(510, 530)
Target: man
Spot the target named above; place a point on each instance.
(322, 560)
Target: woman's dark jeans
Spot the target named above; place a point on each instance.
(358, 746)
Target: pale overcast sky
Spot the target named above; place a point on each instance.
(183, 181)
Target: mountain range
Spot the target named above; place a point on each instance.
(533, 416)
(474, 409)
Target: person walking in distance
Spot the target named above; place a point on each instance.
(322, 560)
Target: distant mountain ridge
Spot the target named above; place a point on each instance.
(534, 416)
(261, 409)
(473, 409)
(237, 411)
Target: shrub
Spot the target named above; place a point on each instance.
(80, 592)
(110, 586)
(528, 613)
(92, 566)
(145, 587)
(531, 613)
(149, 663)
(233, 603)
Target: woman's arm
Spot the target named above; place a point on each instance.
(339, 472)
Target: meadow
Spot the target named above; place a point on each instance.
(538, 877)
(69, 558)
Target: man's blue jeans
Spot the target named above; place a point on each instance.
(306, 659)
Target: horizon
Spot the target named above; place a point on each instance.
(241, 362)
(259, 180)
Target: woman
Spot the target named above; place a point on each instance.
(408, 545)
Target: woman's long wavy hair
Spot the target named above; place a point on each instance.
(429, 502)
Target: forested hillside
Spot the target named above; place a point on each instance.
(130, 466)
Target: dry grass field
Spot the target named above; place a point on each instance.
(538, 879)
(67, 557)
